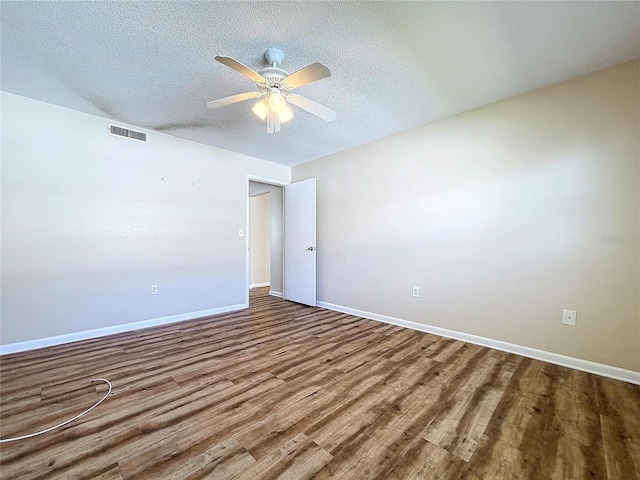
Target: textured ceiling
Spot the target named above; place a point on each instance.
(394, 65)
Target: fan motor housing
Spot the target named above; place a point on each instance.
(273, 74)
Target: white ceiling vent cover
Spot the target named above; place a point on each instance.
(127, 133)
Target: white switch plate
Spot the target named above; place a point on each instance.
(569, 317)
(416, 291)
(241, 232)
(154, 289)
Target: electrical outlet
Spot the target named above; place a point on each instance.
(569, 317)
(416, 291)
(154, 289)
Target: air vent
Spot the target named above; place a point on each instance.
(127, 133)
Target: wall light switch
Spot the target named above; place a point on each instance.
(569, 317)
(241, 232)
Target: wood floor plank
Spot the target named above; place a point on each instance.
(298, 458)
(458, 429)
(621, 448)
(113, 473)
(282, 390)
(519, 421)
(572, 444)
(618, 399)
(225, 461)
(423, 459)
(365, 461)
(495, 460)
(571, 452)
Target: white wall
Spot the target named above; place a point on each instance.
(91, 221)
(259, 239)
(277, 231)
(501, 216)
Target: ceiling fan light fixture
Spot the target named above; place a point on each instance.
(276, 100)
(285, 114)
(261, 109)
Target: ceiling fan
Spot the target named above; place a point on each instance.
(274, 87)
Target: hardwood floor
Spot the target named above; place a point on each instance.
(287, 391)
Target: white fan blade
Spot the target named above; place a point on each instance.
(223, 102)
(312, 107)
(308, 74)
(243, 69)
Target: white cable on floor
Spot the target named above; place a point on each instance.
(68, 421)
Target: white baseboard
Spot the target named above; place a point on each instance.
(101, 332)
(555, 358)
(257, 285)
(276, 294)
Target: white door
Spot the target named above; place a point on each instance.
(300, 242)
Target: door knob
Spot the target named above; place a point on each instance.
(311, 249)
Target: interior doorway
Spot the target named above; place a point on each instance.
(265, 237)
(260, 240)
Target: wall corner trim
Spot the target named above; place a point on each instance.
(550, 357)
(126, 327)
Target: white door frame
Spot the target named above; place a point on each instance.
(268, 181)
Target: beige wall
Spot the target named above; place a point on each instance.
(259, 239)
(91, 221)
(503, 216)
